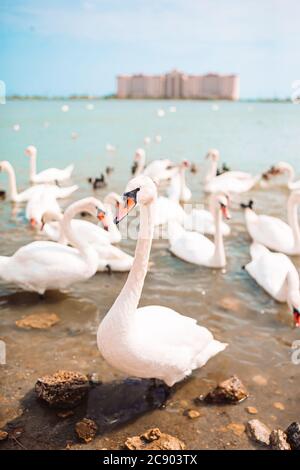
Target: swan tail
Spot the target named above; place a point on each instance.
(213, 348)
(249, 205)
(257, 250)
(69, 169)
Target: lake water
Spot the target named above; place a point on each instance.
(251, 137)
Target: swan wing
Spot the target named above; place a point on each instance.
(269, 270)
(193, 247)
(271, 232)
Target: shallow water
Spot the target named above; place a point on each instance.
(229, 303)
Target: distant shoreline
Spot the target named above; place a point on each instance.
(114, 97)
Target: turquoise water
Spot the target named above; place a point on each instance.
(250, 137)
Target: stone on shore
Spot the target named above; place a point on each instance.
(63, 389)
(293, 435)
(154, 439)
(86, 429)
(278, 440)
(231, 390)
(258, 432)
(38, 321)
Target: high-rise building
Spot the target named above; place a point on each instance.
(177, 85)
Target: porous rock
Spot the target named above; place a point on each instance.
(154, 439)
(231, 390)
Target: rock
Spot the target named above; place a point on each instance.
(230, 303)
(293, 435)
(192, 414)
(65, 414)
(229, 391)
(154, 439)
(3, 435)
(38, 321)
(258, 432)
(251, 410)
(236, 428)
(63, 389)
(278, 440)
(279, 406)
(260, 380)
(86, 429)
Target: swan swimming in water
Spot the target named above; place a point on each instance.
(24, 196)
(157, 170)
(230, 181)
(273, 232)
(153, 341)
(43, 265)
(194, 247)
(50, 175)
(277, 275)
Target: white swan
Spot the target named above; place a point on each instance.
(110, 257)
(282, 169)
(273, 232)
(39, 203)
(24, 196)
(157, 170)
(277, 275)
(153, 341)
(230, 181)
(177, 189)
(46, 176)
(43, 265)
(194, 247)
(93, 233)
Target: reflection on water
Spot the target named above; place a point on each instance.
(259, 331)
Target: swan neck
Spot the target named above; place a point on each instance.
(12, 182)
(212, 171)
(129, 297)
(182, 181)
(292, 209)
(67, 231)
(32, 167)
(219, 253)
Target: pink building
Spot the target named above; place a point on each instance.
(178, 85)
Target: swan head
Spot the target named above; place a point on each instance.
(4, 165)
(185, 164)
(213, 155)
(50, 216)
(30, 150)
(220, 201)
(140, 190)
(139, 155)
(113, 199)
(279, 169)
(294, 304)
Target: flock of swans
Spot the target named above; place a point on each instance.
(153, 341)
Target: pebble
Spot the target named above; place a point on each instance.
(63, 389)
(236, 428)
(279, 406)
(192, 414)
(278, 440)
(258, 432)
(231, 390)
(293, 435)
(154, 439)
(86, 429)
(38, 321)
(251, 410)
(3, 435)
(259, 380)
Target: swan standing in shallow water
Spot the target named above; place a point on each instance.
(277, 275)
(46, 176)
(157, 170)
(24, 196)
(153, 341)
(194, 247)
(42, 265)
(279, 170)
(110, 258)
(230, 181)
(273, 232)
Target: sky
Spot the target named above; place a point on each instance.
(63, 47)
